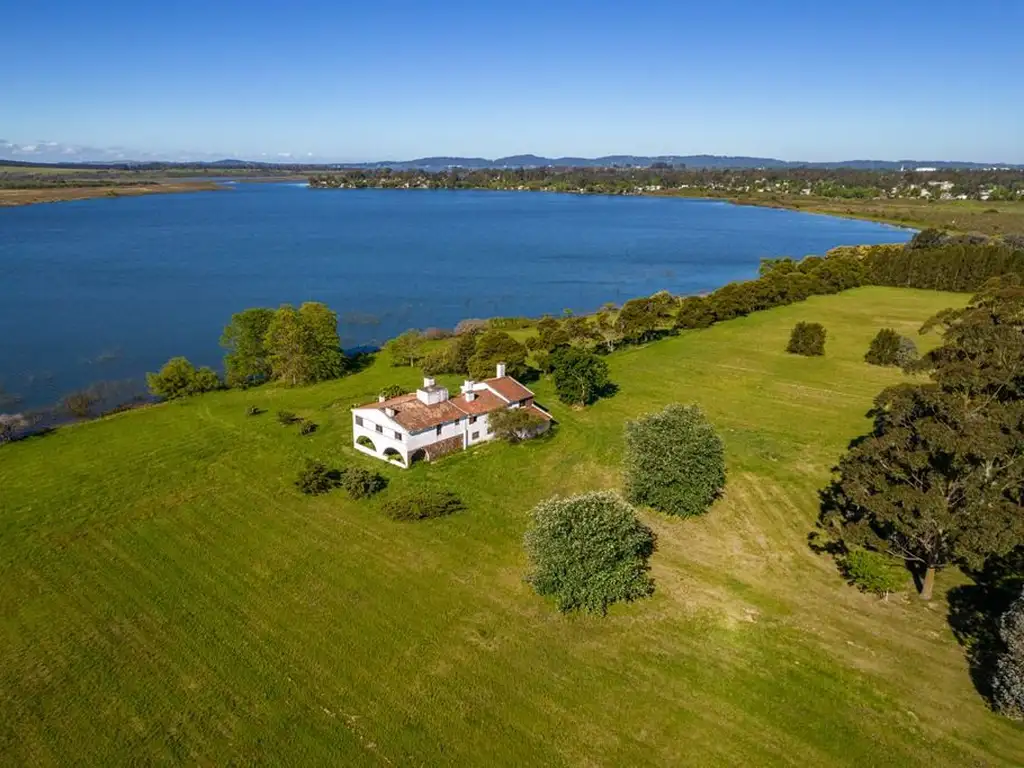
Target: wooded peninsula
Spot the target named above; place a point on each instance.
(988, 201)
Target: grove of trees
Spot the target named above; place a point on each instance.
(940, 478)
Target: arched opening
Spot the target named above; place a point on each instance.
(392, 455)
(366, 442)
(418, 455)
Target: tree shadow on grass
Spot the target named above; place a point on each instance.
(359, 362)
(974, 611)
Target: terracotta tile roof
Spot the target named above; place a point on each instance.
(484, 402)
(416, 416)
(538, 411)
(509, 388)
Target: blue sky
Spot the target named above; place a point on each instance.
(376, 80)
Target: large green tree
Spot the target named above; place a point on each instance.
(940, 479)
(247, 362)
(588, 552)
(580, 376)
(674, 461)
(303, 345)
(288, 345)
(406, 348)
(493, 347)
(321, 323)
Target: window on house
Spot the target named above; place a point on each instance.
(439, 429)
(476, 435)
(398, 435)
(359, 421)
(472, 419)
(456, 422)
(379, 428)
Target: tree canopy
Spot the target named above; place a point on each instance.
(940, 479)
(674, 461)
(247, 362)
(579, 375)
(493, 347)
(588, 552)
(179, 378)
(303, 345)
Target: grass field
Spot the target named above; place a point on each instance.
(168, 596)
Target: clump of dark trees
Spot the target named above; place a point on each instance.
(892, 349)
(316, 478)
(807, 339)
(940, 479)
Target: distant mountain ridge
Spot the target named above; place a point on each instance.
(644, 161)
(51, 153)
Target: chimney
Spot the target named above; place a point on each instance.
(428, 382)
(381, 398)
(467, 390)
(501, 370)
(390, 412)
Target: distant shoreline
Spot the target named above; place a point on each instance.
(10, 198)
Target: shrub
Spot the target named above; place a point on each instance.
(588, 552)
(884, 349)
(674, 461)
(580, 376)
(392, 390)
(80, 404)
(307, 427)
(316, 478)
(907, 354)
(286, 417)
(422, 504)
(514, 424)
(179, 378)
(1008, 681)
(360, 483)
(807, 339)
(873, 572)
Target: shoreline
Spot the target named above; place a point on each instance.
(994, 219)
(12, 198)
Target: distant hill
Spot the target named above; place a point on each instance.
(442, 163)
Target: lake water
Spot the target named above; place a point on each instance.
(108, 289)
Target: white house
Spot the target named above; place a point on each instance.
(428, 423)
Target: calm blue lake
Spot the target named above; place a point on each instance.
(109, 289)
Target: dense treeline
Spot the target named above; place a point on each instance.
(843, 183)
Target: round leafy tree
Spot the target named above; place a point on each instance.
(674, 461)
(1008, 682)
(885, 348)
(807, 339)
(580, 376)
(588, 552)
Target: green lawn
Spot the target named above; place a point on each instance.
(169, 596)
